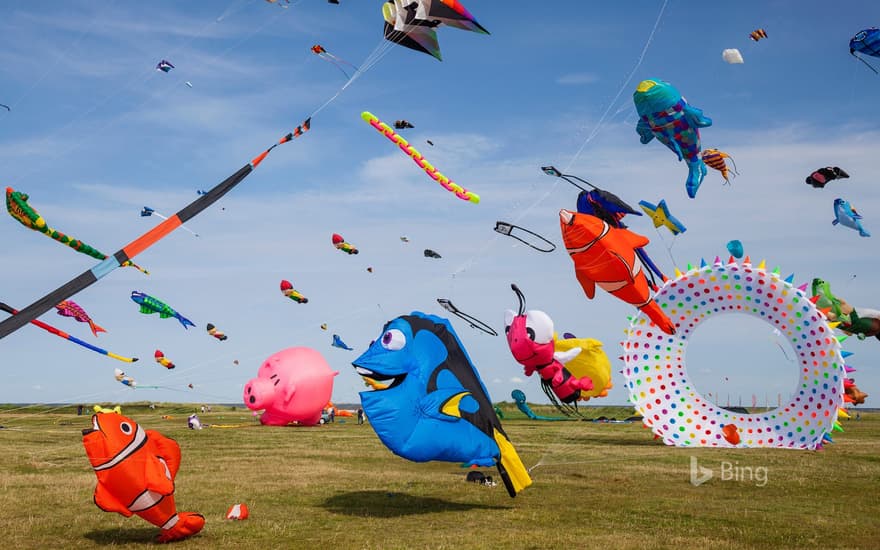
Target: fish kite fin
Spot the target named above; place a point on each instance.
(513, 472)
(444, 404)
(95, 328)
(146, 309)
(105, 500)
(168, 449)
(589, 287)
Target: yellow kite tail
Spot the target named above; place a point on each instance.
(513, 472)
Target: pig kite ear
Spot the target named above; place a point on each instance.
(289, 392)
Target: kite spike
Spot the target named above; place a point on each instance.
(815, 298)
(690, 267)
(803, 288)
(848, 369)
(837, 426)
(827, 437)
(820, 447)
(833, 325)
(790, 279)
(848, 399)
(841, 413)
(748, 260)
(763, 264)
(845, 354)
(842, 337)
(678, 273)
(703, 263)
(717, 262)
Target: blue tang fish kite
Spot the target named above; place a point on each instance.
(428, 402)
(666, 115)
(846, 215)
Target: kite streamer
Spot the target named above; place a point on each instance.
(661, 390)
(145, 241)
(417, 157)
(75, 340)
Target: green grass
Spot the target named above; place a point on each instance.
(337, 486)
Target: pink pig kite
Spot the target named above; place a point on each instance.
(292, 385)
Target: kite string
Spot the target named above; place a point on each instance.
(641, 58)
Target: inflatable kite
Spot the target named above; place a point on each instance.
(866, 42)
(57, 332)
(715, 159)
(846, 215)
(605, 256)
(69, 308)
(240, 511)
(427, 400)
(126, 380)
(151, 305)
(136, 470)
(735, 248)
(162, 360)
(339, 242)
(18, 208)
(429, 169)
(852, 393)
(732, 56)
(143, 242)
(216, 332)
(532, 342)
(661, 217)
(412, 23)
(431, 254)
(193, 422)
(609, 208)
(292, 385)
(664, 114)
(520, 399)
(758, 34)
(340, 63)
(472, 321)
(164, 66)
(146, 212)
(655, 362)
(338, 343)
(822, 176)
(288, 290)
(506, 228)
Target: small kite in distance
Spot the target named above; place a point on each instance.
(338, 343)
(758, 34)
(506, 228)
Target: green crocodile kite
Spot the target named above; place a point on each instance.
(18, 208)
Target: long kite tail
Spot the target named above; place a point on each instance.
(62, 334)
(148, 239)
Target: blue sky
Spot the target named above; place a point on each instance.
(95, 133)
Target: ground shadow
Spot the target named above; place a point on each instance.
(391, 504)
(121, 536)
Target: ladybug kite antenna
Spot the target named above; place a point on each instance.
(522, 299)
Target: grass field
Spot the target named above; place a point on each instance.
(336, 486)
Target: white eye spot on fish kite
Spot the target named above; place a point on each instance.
(393, 340)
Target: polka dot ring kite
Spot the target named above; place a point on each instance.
(661, 390)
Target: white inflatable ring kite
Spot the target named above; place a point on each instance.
(657, 377)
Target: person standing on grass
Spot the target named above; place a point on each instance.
(360, 416)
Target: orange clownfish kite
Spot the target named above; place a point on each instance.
(136, 470)
(605, 256)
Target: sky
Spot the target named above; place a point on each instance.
(95, 133)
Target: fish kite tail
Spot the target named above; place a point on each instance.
(513, 472)
(184, 321)
(696, 173)
(653, 311)
(864, 233)
(185, 524)
(95, 328)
